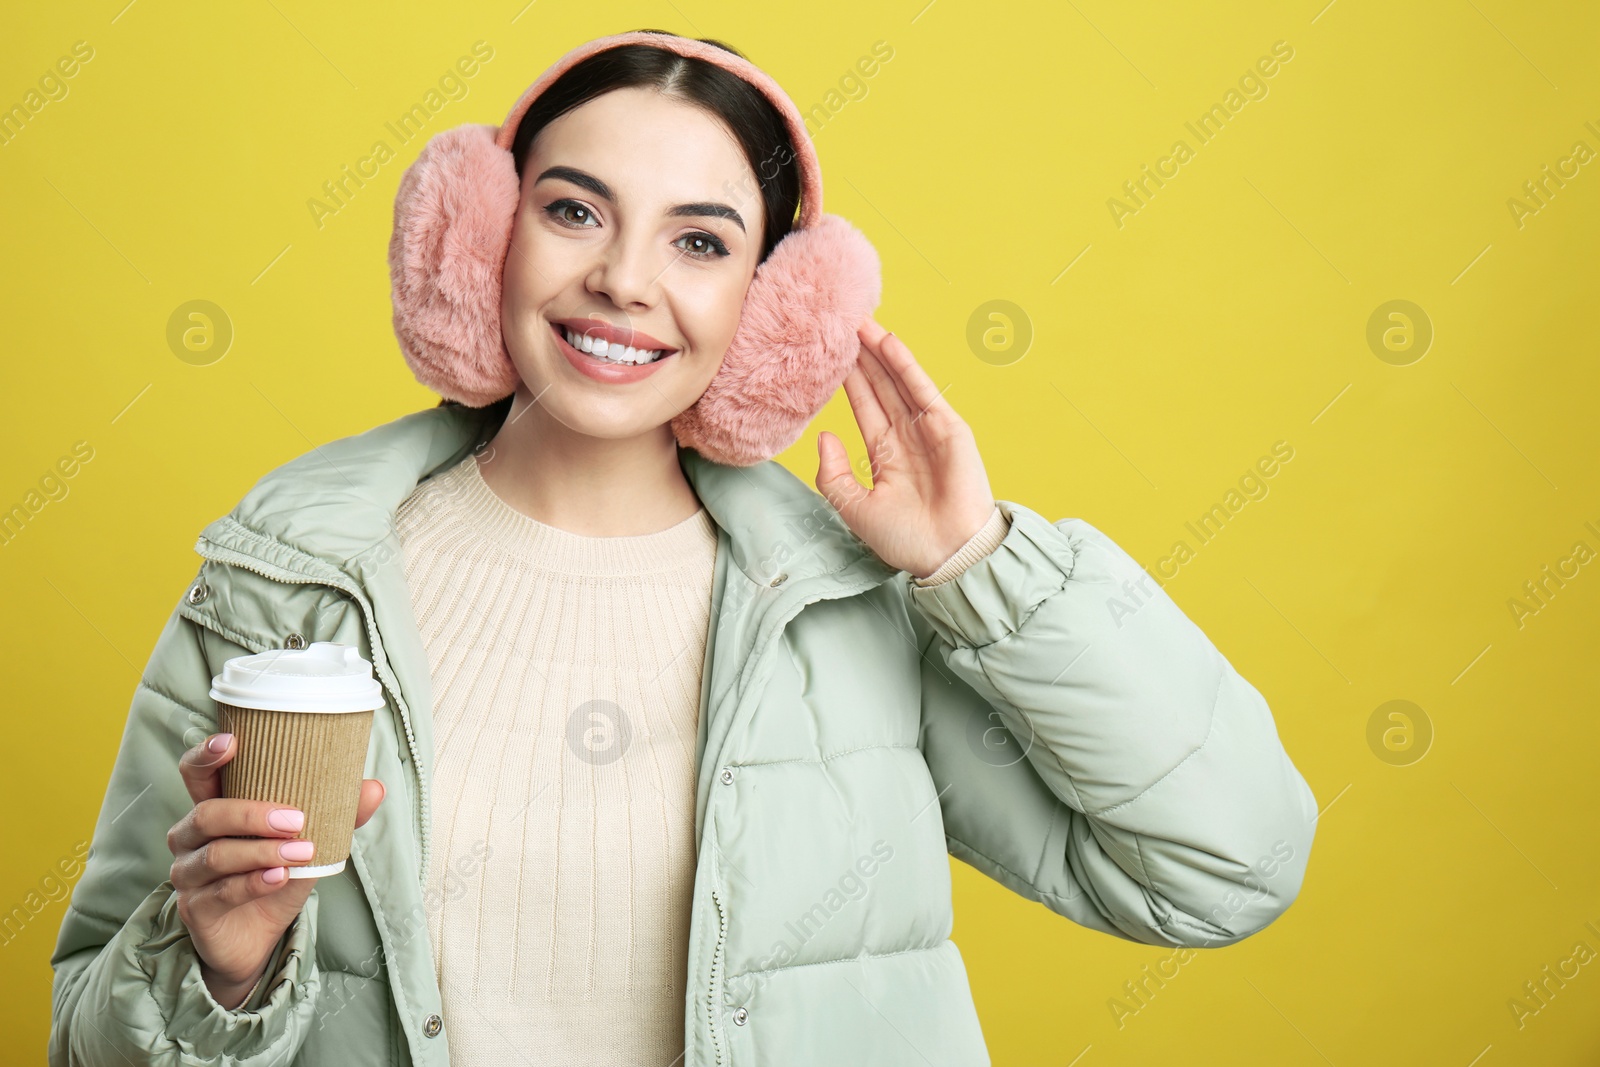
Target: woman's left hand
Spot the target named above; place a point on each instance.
(929, 491)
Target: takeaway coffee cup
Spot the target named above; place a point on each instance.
(302, 718)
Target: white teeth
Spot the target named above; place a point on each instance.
(611, 352)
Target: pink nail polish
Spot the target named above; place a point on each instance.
(297, 850)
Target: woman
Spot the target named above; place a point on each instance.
(677, 751)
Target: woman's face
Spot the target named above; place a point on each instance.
(640, 224)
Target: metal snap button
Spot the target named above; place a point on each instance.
(727, 776)
(779, 580)
(739, 1016)
(198, 592)
(432, 1025)
(294, 641)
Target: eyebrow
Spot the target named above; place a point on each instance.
(699, 209)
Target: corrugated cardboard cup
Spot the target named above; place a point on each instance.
(302, 718)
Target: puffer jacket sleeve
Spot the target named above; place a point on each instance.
(1095, 752)
(127, 987)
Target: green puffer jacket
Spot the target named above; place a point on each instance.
(854, 730)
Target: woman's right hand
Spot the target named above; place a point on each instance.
(231, 871)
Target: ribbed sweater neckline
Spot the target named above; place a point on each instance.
(469, 498)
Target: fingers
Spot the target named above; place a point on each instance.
(222, 817)
(889, 396)
(204, 905)
(874, 338)
(899, 367)
(872, 332)
(240, 849)
(372, 794)
(201, 766)
(870, 416)
(919, 389)
(224, 857)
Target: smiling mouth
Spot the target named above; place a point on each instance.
(608, 352)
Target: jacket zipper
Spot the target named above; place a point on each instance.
(249, 563)
(714, 997)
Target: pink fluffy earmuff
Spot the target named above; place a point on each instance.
(796, 339)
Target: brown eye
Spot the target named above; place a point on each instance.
(704, 245)
(558, 210)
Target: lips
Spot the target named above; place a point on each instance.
(614, 335)
(602, 370)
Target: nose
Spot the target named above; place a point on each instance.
(628, 272)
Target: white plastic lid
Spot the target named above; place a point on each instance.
(324, 676)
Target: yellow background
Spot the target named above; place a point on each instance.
(1229, 313)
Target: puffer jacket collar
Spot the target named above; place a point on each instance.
(337, 502)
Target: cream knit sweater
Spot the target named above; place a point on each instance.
(566, 676)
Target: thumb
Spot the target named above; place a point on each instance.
(372, 794)
(835, 480)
